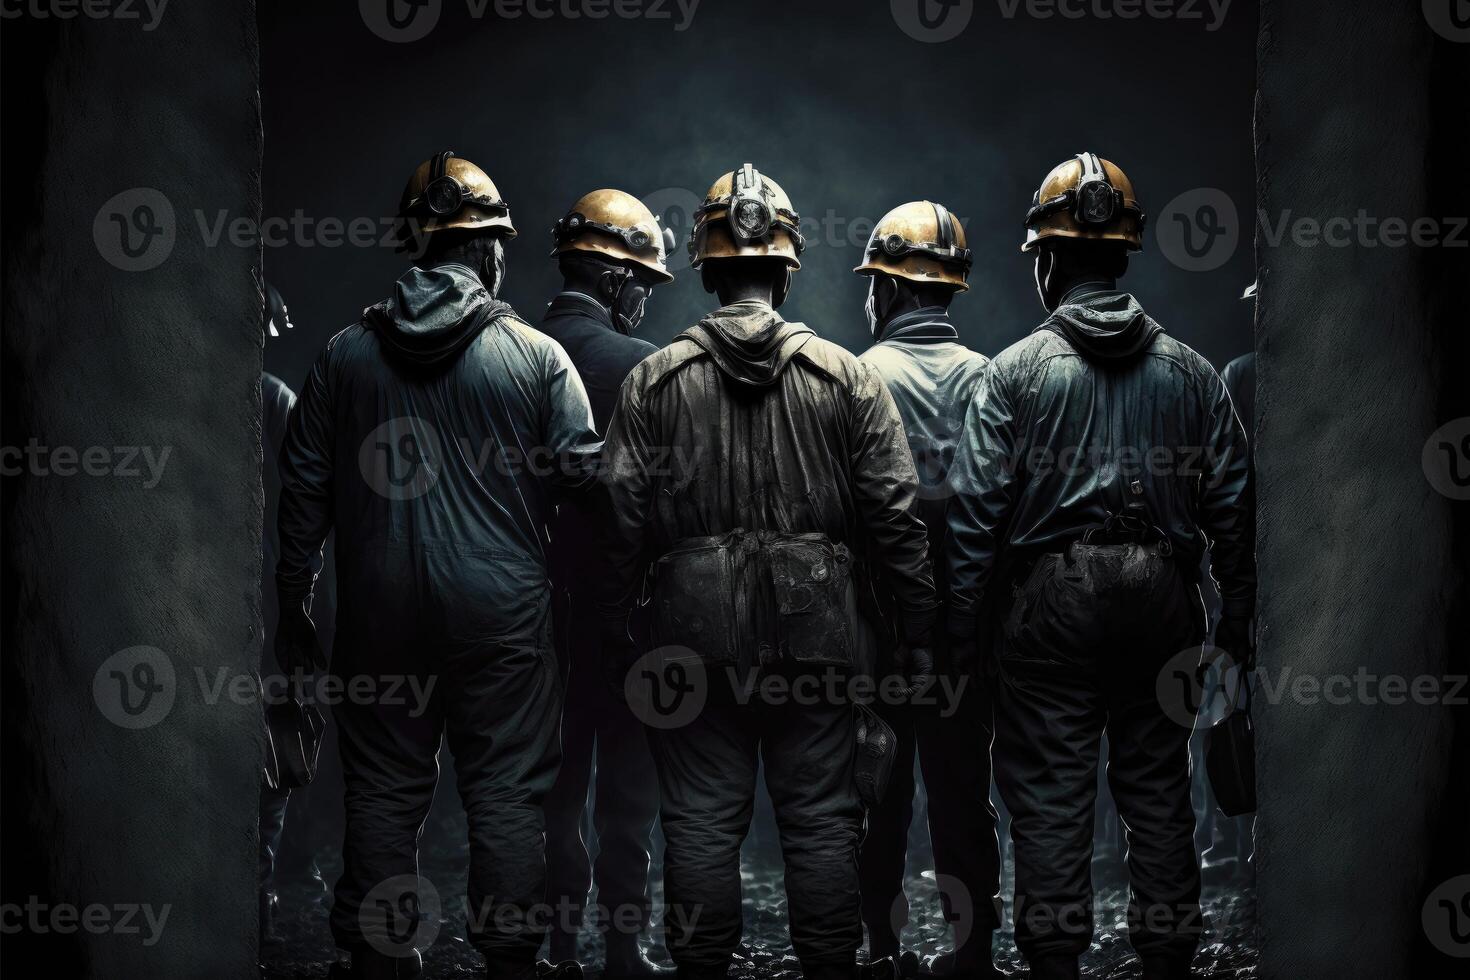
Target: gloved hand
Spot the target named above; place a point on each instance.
(916, 664)
(1236, 635)
(296, 645)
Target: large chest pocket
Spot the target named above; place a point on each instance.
(811, 580)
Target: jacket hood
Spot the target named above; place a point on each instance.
(1105, 325)
(928, 324)
(749, 341)
(433, 315)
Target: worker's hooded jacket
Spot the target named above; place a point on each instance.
(1096, 410)
(433, 435)
(747, 422)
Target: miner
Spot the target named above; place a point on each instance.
(916, 263)
(1100, 458)
(434, 435)
(759, 481)
(611, 254)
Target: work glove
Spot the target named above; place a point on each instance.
(916, 664)
(1236, 635)
(297, 648)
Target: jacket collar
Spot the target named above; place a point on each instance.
(568, 303)
(1083, 290)
(929, 325)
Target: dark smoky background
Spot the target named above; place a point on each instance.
(835, 100)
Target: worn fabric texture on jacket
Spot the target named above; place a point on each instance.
(1069, 418)
(747, 422)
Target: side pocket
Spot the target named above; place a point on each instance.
(815, 602)
(1026, 595)
(694, 601)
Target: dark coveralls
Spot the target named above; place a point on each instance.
(748, 422)
(1094, 408)
(932, 378)
(594, 724)
(431, 435)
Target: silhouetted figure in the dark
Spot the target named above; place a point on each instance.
(610, 251)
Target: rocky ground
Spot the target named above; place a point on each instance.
(301, 945)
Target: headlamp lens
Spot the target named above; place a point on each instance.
(752, 219)
(444, 196)
(1095, 202)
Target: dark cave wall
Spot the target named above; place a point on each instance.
(99, 815)
(1360, 557)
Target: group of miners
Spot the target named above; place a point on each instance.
(539, 518)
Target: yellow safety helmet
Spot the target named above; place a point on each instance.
(919, 241)
(1085, 197)
(615, 224)
(447, 192)
(746, 214)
